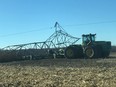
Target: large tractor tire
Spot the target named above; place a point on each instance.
(106, 47)
(89, 52)
(74, 51)
(93, 51)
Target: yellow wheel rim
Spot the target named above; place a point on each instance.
(69, 53)
(89, 52)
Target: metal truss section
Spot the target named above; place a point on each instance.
(60, 38)
(35, 45)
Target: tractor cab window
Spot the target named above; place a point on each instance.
(93, 38)
(88, 38)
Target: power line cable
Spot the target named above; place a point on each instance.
(18, 33)
(103, 22)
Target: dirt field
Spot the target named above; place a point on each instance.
(59, 73)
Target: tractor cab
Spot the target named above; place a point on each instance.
(87, 39)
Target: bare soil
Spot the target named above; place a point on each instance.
(59, 73)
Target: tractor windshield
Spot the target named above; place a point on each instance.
(93, 38)
(88, 38)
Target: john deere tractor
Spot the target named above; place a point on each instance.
(89, 48)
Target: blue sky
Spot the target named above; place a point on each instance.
(25, 21)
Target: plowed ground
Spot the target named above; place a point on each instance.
(59, 73)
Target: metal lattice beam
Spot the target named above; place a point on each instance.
(60, 38)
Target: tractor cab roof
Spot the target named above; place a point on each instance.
(86, 35)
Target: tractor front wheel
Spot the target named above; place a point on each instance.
(89, 52)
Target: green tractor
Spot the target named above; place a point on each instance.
(89, 48)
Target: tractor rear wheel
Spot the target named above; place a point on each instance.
(74, 51)
(69, 52)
